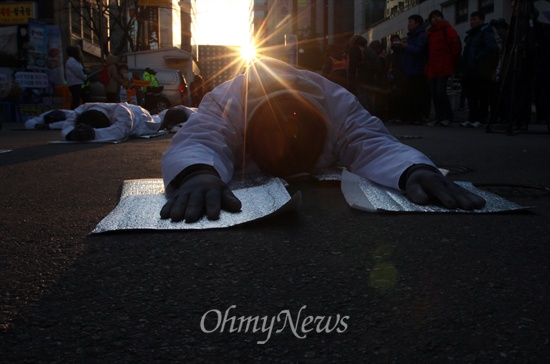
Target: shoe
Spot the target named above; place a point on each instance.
(432, 123)
(446, 123)
(476, 124)
(466, 124)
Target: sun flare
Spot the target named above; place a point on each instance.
(248, 52)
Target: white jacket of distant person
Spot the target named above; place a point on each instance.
(126, 120)
(215, 134)
(39, 122)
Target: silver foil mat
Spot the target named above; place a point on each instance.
(87, 141)
(141, 201)
(154, 135)
(112, 141)
(363, 195)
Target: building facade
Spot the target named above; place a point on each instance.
(298, 31)
(457, 12)
(284, 27)
(219, 63)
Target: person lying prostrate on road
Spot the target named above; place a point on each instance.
(107, 121)
(289, 122)
(51, 119)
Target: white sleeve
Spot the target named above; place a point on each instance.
(213, 135)
(122, 124)
(363, 144)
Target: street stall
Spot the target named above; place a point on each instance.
(31, 63)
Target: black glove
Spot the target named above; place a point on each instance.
(199, 193)
(81, 133)
(425, 184)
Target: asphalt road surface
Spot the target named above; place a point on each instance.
(323, 284)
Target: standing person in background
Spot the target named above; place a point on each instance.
(381, 87)
(197, 91)
(444, 53)
(415, 56)
(354, 55)
(74, 74)
(397, 80)
(152, 90)
(112, 88)
(124, 91)
(335, 66)
(151, 76)
(362, 61)
(478, 66)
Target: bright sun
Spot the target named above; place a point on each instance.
(248, 52)
(212, 15)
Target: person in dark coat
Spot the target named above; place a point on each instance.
(335, 67)
(362, 62)
(415, 57)
(396, 80)
(478, 66)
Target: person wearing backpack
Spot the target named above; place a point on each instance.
(478, 66)
(112, 87)
(444, 49)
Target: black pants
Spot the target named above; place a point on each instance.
(442, 104)
(478, 93)
(417, 96)
(76, 93)
(112, 97)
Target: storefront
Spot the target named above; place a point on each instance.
(31, 62)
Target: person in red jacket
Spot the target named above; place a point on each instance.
(445, 49)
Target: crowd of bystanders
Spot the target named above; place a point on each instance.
(409, 82)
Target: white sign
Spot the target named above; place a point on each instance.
(31, 79)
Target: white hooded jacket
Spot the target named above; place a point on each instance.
(127, 121)
(215, 135)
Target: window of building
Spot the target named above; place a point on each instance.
(76, 21)
(461, 11)
(486, 6)
(85, 21)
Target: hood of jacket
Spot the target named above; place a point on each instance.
(438, 27)
(269, 77)
(418, 30)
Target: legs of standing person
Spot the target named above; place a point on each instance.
(396, 102)
(442, 104)
(366, 97)
(425, 98)
(478, 93)
(76, 93)
(112, 97)
(493, 102)
(541, 98)
(462, 100)
(415, 98)
(485, 94)
(470, 84)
